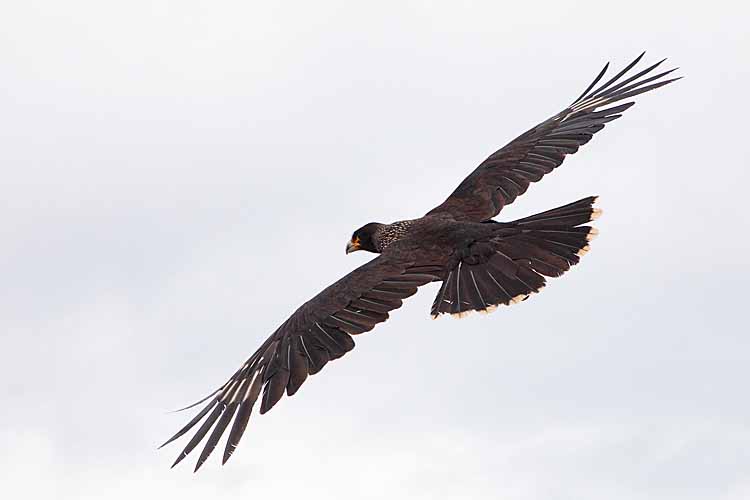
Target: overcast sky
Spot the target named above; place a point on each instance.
(177, 177)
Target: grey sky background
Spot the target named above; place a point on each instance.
(179, 176)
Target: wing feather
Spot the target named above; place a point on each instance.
(508, 172)
(319, 331)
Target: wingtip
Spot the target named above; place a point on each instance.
(198, 402)
(638, 59)
(179, 459)
(165, 443)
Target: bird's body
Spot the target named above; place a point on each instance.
(481, 263)
(433, 234)
(434, 239)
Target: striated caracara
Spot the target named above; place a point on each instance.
(480, 262)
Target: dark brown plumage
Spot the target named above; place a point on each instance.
(481, 263)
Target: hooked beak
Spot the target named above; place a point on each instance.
(352, 246)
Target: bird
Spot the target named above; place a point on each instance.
(481, 263)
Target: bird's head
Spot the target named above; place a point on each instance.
(365, 238)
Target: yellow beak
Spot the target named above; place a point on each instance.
(352, 246)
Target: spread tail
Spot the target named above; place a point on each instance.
(508, 268)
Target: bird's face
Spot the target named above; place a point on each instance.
(364, 238)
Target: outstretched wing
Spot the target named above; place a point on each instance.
(508, 172)
(319, 331)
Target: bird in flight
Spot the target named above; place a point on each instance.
(480, 262)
